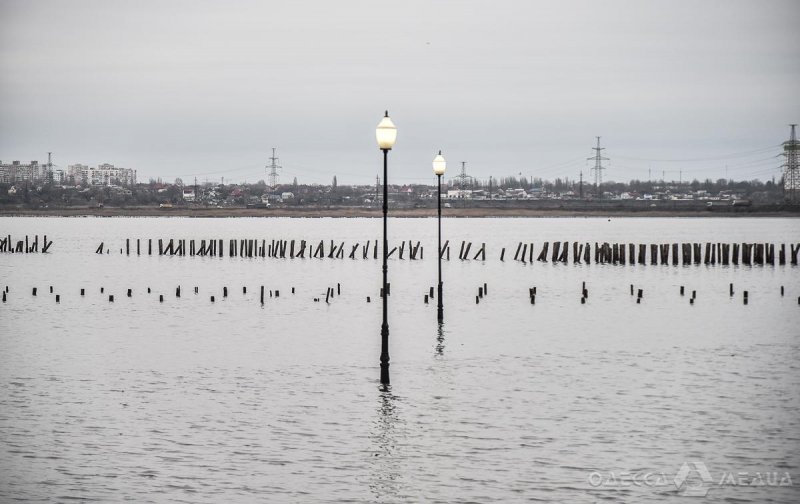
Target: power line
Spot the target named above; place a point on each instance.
(716, 158)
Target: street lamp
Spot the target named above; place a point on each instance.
(386, 135)
(439, 166)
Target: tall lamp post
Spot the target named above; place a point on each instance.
(386, 134)
(439, 166)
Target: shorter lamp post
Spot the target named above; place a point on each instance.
(439, 166)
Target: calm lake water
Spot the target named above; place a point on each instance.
(189, 401)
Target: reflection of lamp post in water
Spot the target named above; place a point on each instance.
(387, 429)
(440, 339)
(439, 166)
(386, 135)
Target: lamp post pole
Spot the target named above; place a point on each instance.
(439, 166)
(385, 324)
(386, 134)
(440, 307)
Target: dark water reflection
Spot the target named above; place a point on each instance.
(440, 339)
(387, 430)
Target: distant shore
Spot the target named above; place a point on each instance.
(361, 212)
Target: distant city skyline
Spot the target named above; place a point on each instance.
(172, 89)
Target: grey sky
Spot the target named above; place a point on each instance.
(185, 88)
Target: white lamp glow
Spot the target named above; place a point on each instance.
(439, 164)
(386, 133)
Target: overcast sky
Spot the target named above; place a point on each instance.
(206, 89)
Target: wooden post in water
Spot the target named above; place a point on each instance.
(543, 254)
(758, 253)
(481, 253)
(556, 250)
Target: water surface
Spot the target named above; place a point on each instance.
(189, 401)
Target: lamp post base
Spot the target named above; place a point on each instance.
(440, 306)
(385, 354)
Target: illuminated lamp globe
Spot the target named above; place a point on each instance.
(386, 133)
(439, 164)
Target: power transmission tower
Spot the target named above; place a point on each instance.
(598, 167)
(463, 177)
(791, 177)
(273, 168)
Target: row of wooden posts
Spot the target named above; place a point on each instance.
(331, 292)
(665, 253)
(26, 246)
(276, 293)
(250, 248)
(557, 252)
(604, 253)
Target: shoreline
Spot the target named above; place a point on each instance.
(358, 212)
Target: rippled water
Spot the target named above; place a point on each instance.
(189, 401)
